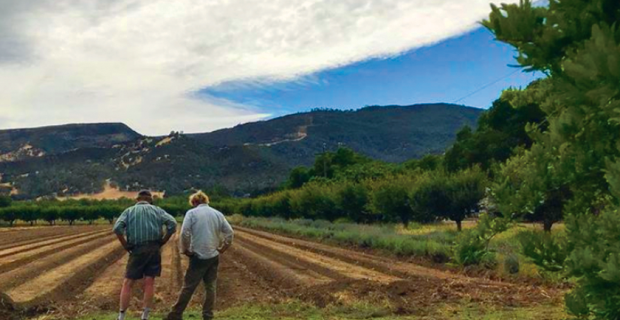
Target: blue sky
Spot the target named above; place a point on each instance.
(142, 62)
(444, 72)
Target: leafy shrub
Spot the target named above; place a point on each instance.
(472, 246)
(546, 251)
(471, 249)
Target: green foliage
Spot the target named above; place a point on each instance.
(429, 162)
(50, 214)
(314, 201)
(298, 177)
(595, 262)
(466, 189)
(430, 198)
(390, 198)
(471, 249)
(472, 246)
(5, 201)
(500, 130)
(573, 165)
(383, 237)
(547, 251)
(451, 196)
(353, 200)
(393, 196)
(8, 215)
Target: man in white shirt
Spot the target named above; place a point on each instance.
(205, 235)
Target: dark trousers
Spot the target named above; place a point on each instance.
(199, 270)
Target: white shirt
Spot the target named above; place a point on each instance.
(204, 230)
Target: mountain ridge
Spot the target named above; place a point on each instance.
(79, 158)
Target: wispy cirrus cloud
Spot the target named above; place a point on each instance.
(142, 61)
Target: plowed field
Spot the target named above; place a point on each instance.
(71, 271)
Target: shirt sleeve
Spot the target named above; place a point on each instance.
(121, 224)
(186, 232)
(169, 221)
(226, 230)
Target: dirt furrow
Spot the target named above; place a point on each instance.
(273, 272)
(55, 284)
(291, 261)
(383, 264)
(167, 286)
(237, 284)
(17, 239)
(420, 285)
(346, 271)
(16, 277)
(103, 293)
(25, 257)
(48, 243)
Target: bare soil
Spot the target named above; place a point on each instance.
(73, 275)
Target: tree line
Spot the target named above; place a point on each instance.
(71, 211)
(414, 196)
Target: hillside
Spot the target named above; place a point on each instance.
(79, 159)
(390, 133)
(17, 144)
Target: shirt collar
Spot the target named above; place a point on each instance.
(203, 205)
(142, 202)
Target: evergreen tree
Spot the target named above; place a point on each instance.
(577, 44)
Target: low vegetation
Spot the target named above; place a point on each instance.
(495, 245)
(295, 310)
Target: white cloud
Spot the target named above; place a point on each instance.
(139, 61)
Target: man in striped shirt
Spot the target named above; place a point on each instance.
(142, 224)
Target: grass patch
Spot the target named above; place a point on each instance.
(383, 237)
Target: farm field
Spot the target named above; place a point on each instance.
(75, 272)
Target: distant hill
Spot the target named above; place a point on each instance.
(389, 133)
(17, 144)
(78, 159)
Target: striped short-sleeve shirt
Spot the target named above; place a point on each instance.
(143, 223)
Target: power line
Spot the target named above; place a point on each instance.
(486, 86)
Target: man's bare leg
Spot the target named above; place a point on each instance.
(149, 292)
(125, 297)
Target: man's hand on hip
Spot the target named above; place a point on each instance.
(128, 247)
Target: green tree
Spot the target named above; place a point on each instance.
(28, 214)
(465, 190)
(577, 44)
(281, 205)
(8, 214)
(391, 199)
(353, 200)
(298, 177)
(315, 201)
(430, 197)
(5, 201)
(500, 130)
(50, 214)
(70, 214)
